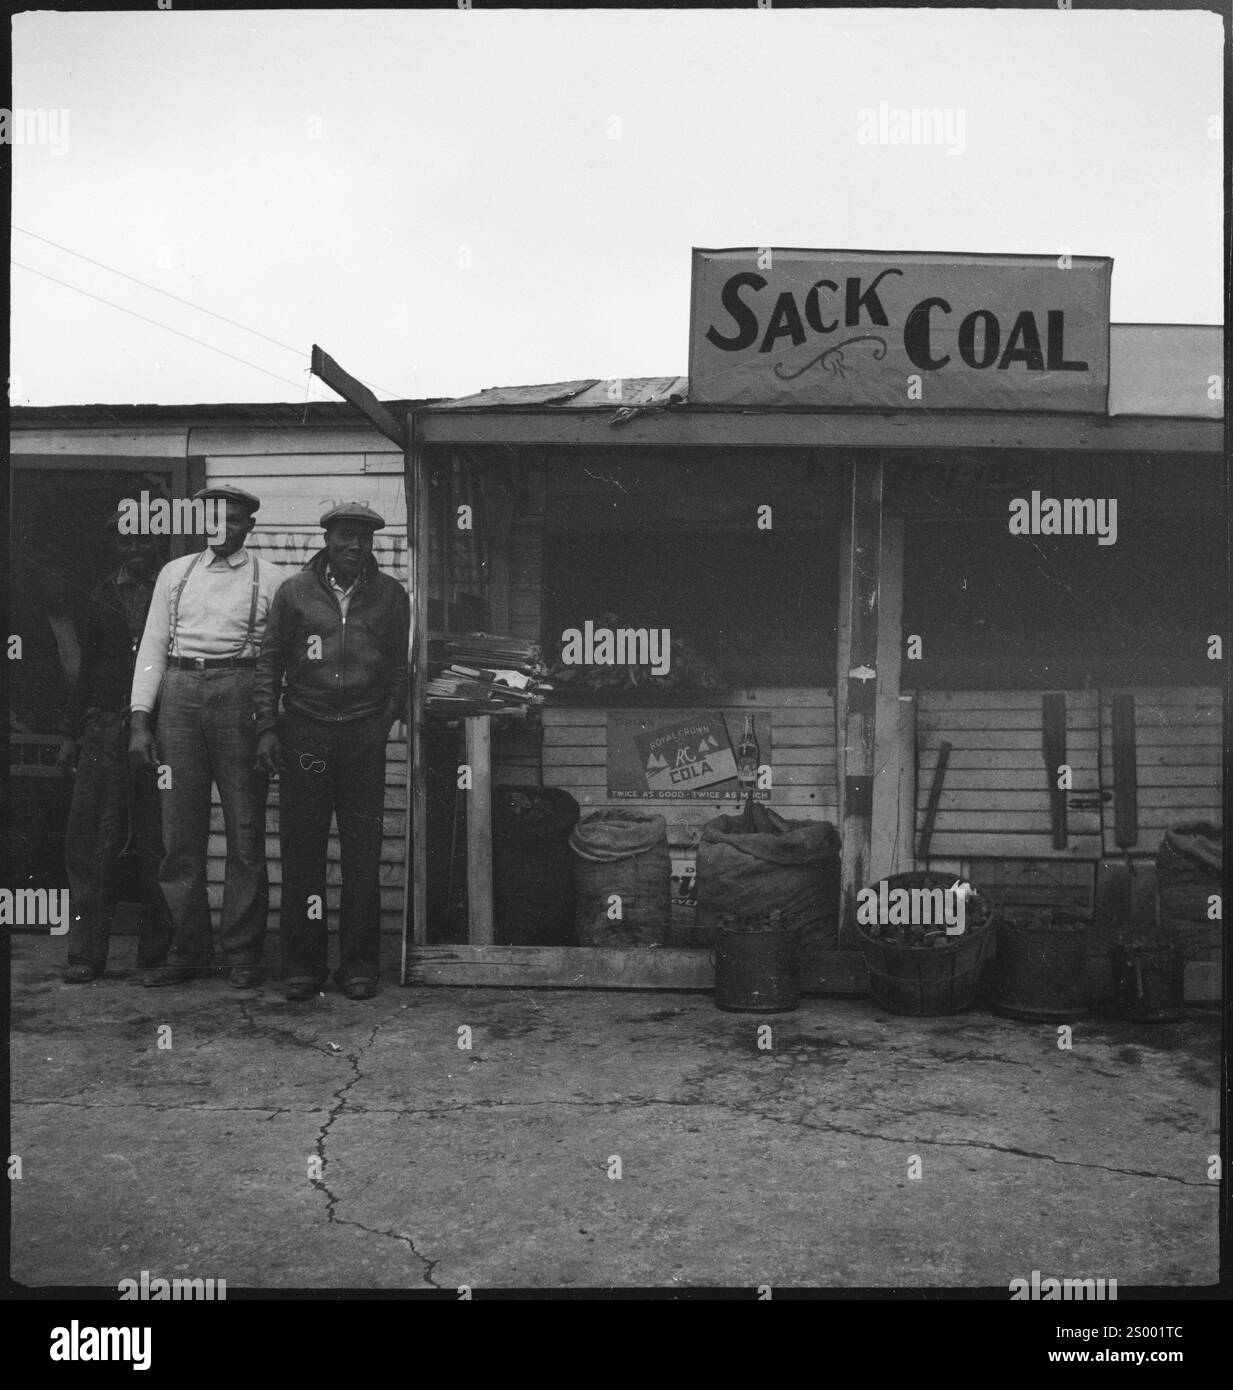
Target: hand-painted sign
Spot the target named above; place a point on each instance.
(892, 330)
(675, 755)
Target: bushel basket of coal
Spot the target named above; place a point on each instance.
(623, 878)
(1189, 865)
(1040, 970)
(760, 867)
(533, 866)
(916, 965)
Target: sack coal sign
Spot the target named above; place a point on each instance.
(890, 329)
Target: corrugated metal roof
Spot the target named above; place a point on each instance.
(1154, 369)
(589, 394)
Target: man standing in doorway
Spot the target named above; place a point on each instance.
(337, 636)
(197, 661)
(112, 805)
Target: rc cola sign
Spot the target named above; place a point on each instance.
(900, 330)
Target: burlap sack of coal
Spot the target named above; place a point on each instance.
(533, 866)
(787, 865)
(1189, 865)
(621, 863)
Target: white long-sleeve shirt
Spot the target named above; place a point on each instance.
(213, 620)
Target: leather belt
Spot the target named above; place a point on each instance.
(209, 663)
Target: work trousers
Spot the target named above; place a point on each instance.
(207, 735)
(331, 769)
(108, 811)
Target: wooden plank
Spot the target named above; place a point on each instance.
(936, 783)
(985, 799)
(858, 622)
(1020, 781)
(951, 822)
(416, 484)
(941, 701)
(1162, 775)
(1081, 742)
(285, 465)
(1016, 762)
(956, 723)
(1195, 757)
(1168, 716)
(89, 443)
(905, 830)
(1178, 736)
(1180, 797)
(721, 428)
(972, 845)
(324, 366)
(479, 830)
(887, 778)
(588, 967)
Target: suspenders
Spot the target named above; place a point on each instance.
(252, 607)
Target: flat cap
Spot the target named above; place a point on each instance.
(354, 511)
(229, 494)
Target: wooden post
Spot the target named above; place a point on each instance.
(479, 829)
(415, 926)
(858, 620)
(888, 773)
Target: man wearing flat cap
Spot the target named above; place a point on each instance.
(113, 809)
(196, 664)
(335, 650)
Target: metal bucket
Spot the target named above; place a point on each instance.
(1148, 982)
(757, 971)
(1040, 969)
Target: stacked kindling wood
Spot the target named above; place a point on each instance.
(481, 674)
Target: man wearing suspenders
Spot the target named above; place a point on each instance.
(196, 663)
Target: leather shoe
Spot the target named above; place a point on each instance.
(297, 991)
(170, 975)
(360, 989)
(79, 974)
(244, 977)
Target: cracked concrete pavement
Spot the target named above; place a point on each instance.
(355, 1145)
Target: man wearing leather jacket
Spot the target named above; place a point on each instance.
(112, 805)
(335, 649)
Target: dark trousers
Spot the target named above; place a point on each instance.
(331, 769)
(207, 735)
(100, 821)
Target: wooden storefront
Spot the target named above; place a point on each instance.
(904, 517)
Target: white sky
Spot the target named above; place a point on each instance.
(191, 164)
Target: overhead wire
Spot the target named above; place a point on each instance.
(111, 304)
(179, 299)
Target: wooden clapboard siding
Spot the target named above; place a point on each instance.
(517, 754)
(299, 499)
(802, 757)
(1179, 757)
(393, 846)
(995, 801)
